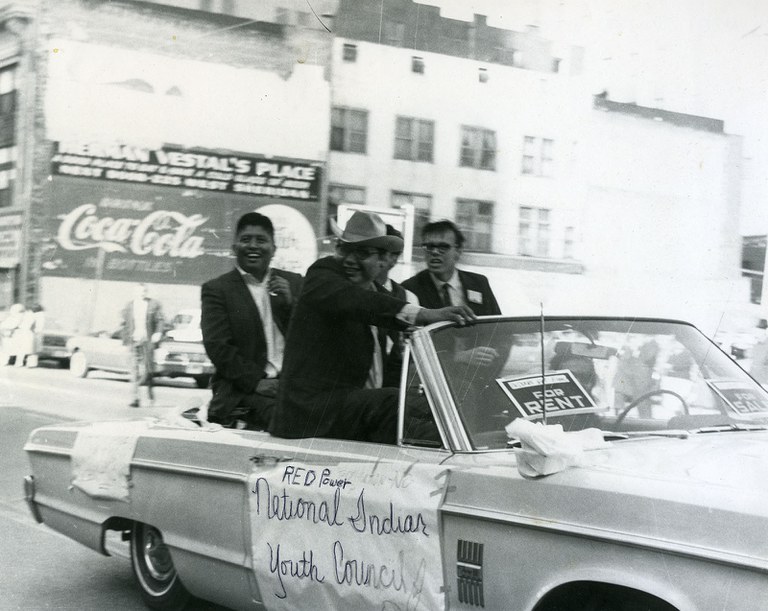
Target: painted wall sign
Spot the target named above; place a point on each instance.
(189, 169)
(116, 231)
(349, 536)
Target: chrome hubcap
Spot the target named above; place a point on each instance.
(156, 556)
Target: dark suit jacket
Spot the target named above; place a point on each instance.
(424, 288)
(233, 336)
(329, 349)
(154, 321)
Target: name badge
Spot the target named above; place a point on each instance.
(475, 296)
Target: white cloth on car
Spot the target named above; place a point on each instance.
(547, 449)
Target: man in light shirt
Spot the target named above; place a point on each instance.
(245, 315)
(142, 328)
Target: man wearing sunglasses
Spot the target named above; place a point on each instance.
(443, 284)
(333, 368)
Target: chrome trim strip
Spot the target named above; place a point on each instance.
(436, 387)
(40, 449)
(153, 465)
(587, 532)
(29, 497)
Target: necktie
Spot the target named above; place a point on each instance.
(445, 294)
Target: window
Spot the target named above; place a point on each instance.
(556, 64)
(482, 75)
(8, 106)
(417, 65)
(533, 232)
(303, 18)
(538, 156)
(414, 139)
(475, 218)
(394, 33)
(349, 130)
(349, 53)
(206, 5)
(478, 148)
(228, 7)
(422, 208)
(342, 194)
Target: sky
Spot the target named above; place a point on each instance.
(703, 57)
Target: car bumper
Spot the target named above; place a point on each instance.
(54, 354)
(182, 369)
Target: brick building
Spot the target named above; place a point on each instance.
(133, 134)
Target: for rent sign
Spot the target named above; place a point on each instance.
(190, 169)
(558, 392)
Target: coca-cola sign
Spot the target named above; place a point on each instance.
(160, 233)
(124, 232)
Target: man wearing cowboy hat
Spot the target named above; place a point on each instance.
(332, 370)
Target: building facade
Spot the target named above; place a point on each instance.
(142, 132)
(132, 134)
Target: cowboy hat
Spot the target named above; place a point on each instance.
(367, 229)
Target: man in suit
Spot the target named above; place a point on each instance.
(333, 371)
(442, 284)
(393, 340)
(142, 328)
(245, 315)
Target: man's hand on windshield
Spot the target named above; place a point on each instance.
(481, 356)
(458, 314)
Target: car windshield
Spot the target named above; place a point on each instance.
(632, 377)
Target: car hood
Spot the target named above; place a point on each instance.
(706, 495)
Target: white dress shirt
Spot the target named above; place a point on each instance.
(455, 288)
(275, 340)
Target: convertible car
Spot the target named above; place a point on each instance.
(540, 465)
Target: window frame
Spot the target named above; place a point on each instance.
(344, 137)
(475, 151)
(475, 240)
(414, 139)
(534, 231)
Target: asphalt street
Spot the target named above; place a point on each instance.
(40, 569)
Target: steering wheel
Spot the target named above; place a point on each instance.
(647, 395)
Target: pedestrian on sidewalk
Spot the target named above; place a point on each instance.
(142, 329)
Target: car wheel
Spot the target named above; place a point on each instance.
(78, 365)
(153, 569)
(202, 381)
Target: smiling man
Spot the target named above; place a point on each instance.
(333, 368)
(244, 320)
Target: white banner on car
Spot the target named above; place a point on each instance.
(348, 536)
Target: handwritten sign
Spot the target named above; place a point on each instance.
(560, 393)
(349, 536)
(741, 399)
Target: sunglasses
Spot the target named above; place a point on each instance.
(360, 252)
(439, 247)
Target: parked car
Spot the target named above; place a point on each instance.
(175, 359)
(105, 351)
(597, 463)
(100, 350)
(53, 346)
